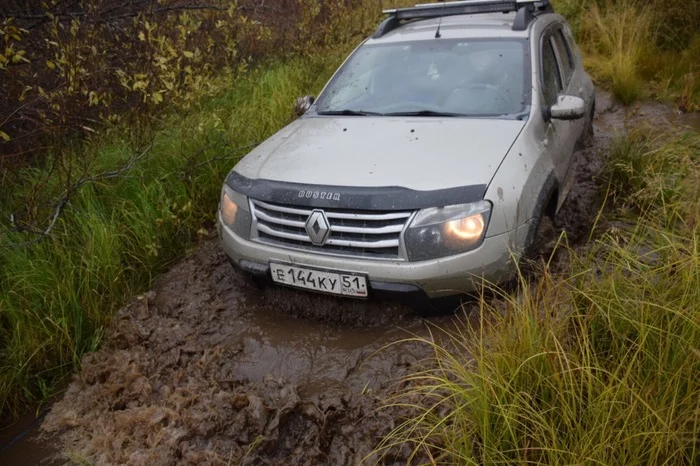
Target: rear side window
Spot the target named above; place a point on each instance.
(573, 48)
(551, 80)
(565, 60)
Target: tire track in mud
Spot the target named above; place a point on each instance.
(206, 369)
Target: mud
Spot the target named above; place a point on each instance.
(20, 441)
(207, 369)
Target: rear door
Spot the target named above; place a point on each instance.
(571, 75)
(552, 86)
(558, 68)
(581, 84)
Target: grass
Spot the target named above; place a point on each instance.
(620, 35)
(640, 49)
(57, 295)
(116, 234)
(598, 365)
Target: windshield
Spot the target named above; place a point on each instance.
(435, 77)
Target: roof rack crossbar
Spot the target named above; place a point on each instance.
(468, 7)
(452, 8)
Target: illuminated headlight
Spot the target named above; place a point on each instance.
(235, 212)
(445, 231)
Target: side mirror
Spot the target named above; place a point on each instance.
(568, 107)
(303, 104)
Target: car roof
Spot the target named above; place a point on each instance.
(474, 26)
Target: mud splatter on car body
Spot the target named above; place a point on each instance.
(205, 369)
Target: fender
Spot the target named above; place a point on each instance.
(549, 187)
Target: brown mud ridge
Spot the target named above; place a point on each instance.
(206, 369)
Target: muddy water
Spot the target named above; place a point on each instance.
(207, 369)
(20, 442)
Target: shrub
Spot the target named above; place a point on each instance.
(67, 67)
(618, 36)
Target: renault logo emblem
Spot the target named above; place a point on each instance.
(317, 227)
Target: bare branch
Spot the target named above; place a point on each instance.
(218, 157)
(63, 202)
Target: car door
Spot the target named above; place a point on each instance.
(571, 77)
(556, 137)
(581, 84)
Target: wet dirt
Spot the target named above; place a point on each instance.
(20, 441)
(208, 369)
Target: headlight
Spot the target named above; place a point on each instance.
(235, 212)
(445, 231)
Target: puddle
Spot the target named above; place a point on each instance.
(656, 114)
(20, 443)
(207, 369)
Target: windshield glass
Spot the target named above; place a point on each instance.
(452, 77)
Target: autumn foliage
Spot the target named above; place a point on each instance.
(69, 66)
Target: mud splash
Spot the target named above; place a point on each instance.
(206, 369)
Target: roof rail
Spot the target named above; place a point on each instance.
(526, 11)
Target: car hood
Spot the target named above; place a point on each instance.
(415, 153)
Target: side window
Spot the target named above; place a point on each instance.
(573, 48)
(567, 66)
(551, 80)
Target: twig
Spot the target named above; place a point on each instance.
(60, 206)
(218, 157)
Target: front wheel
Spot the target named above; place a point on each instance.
(542, 244)
(589, 124)
(257, 281)
(438, 307)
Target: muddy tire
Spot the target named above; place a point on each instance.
(440, 307)
(588, 132)
(542, 244)
(258, 282)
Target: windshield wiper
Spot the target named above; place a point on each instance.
(349, 112)
(427, 113)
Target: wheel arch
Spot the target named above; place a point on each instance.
(546, 204)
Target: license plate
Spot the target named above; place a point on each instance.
(324, 281)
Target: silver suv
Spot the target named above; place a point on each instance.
(426, 164)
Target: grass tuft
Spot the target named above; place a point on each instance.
(595, 366)
(619, 35)
(640, 48)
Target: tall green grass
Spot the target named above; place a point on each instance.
(640, 48)
(620, 35)
(57, 295)
(598, 365)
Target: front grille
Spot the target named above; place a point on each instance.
(373, 234)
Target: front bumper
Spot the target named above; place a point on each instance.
(493, 261)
